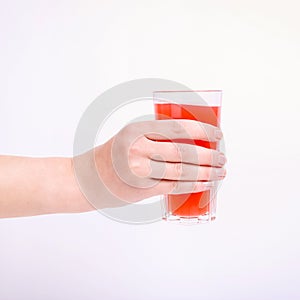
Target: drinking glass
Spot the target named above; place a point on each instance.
(203, 106)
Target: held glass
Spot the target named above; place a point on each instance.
(203, 106)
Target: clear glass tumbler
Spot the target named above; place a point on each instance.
(200, 105)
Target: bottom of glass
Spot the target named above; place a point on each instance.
(189, 220)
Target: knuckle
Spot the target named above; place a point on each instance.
(134, 165)
(207, 173)
(206, 130)
(169, 150)
(195, 186)
(139, 168)
(129, 130)
(210, 131)
(211, 156)
(138, 146)
(178, 151)
(177, 170)
(176, 127)
(134, 149)
(174, 186)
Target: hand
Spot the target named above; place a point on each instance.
(142, 161)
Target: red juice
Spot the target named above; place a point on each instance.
(193, 204)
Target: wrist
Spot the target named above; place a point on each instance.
(63, 190)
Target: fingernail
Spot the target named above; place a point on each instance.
(222, 159)
(219, 134)
(220, 173)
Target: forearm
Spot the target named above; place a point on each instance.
(33, 186)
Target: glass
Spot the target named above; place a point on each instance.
(204, 106)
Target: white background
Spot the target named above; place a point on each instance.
(57, 56)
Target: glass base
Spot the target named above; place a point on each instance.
(189, 220)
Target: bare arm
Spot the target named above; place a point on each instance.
(33, 186)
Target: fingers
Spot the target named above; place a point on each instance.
(186, 153)
(171, 161)
(185, 172)
(166, 167)
(181, 129)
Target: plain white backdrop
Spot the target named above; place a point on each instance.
(56, 57)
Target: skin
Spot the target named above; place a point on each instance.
(135, 164)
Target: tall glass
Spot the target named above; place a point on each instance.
(204, 106)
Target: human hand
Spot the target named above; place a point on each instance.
(138, 162)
